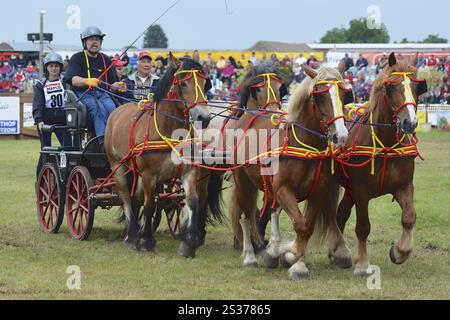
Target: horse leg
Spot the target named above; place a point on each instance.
(402, 248)
(338, 251)
(189, 231)
(265, 218)
(243, 208)
(203, 213)
(343, 213)
(129, 207)
(303, 227)
(147, 241)
(362, 267)
(272, 256)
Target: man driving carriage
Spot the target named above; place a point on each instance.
(86, 74)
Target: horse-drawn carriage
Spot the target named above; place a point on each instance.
(313, 143)
(76, 180)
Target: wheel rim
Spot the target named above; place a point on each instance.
(78, 204)
(48, 200)
(173, 220)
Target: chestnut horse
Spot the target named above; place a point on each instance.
(184, 83)
(389, 169)
(295, 178)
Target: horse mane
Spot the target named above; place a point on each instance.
(302, 94)
(251, 77)
(165, 83)
(376, 93)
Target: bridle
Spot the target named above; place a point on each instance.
(336, 84)
(267, 79)
(199, 92)
(408, 92)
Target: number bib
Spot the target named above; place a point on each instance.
(54, 94)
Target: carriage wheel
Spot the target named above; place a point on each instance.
(80, 208)
(50, 199)
(173, 220)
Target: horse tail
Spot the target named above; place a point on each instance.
(215, 201)
(325, 220)
(236, 215)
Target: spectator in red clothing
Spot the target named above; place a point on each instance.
(7, 85)
(447, 65)
(432, 62)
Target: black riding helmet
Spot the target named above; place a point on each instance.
(91, 32)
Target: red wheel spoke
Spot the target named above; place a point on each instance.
(50, 218)
(75, 216)
(73, 198)
(85, 209)
(177, 222)
(79, 224)
(72, 210)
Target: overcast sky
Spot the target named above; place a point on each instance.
(220, 24)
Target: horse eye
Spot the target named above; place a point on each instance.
(183, 85)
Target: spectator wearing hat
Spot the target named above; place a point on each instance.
(120, 65)
(141, 82)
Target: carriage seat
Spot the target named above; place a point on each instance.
(77, 115)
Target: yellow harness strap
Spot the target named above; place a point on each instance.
(197, 86)
(408, 91)
(336, 84)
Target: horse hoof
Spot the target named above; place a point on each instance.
(287, 260)
(341, 262)
(395, 257)
(259, 249)
(252, 264)
(145, 245)
(186, 250)
(298, 272)
(362, 272)
(271, 262)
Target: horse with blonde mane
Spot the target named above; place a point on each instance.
(316, 103)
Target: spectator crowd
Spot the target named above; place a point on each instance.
(227, 72)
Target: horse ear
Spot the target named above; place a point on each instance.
(422, 88)
(349, 97)
(392, 59)
(173, 61)
(283, 90)
(309, 71)
(208, 84)
(341, 66)
(415, 59)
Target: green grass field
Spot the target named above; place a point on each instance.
(33, 264)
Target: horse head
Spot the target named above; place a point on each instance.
(401, 89)
(263, 86)
(328, 95)
(189, 85)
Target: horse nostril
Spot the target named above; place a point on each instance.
(335, 138)
(406, 123)
(204, 119)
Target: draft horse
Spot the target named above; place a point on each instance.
(316, 104)
(129, 129)
(379, 157)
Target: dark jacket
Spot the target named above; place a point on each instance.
(40, 112)
(137, 92)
